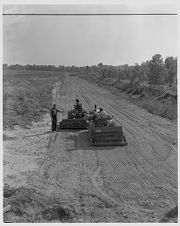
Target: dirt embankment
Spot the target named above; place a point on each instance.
(160, 99)
(74, 182)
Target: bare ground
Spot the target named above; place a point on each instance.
(135, 183)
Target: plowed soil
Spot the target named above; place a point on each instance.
(134, 183)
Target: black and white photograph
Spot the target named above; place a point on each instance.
(90, 113)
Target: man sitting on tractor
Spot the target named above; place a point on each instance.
(78, 109)
(101, 118)
(102, 114)
(78, 106)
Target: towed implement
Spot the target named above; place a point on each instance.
(103, 132)
(77, 119)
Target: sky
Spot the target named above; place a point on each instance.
(87, 40)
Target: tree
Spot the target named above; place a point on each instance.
(135, 73)
(155, 67)
(5, 66)
(87, 68)
(171, 66)
(100, 64)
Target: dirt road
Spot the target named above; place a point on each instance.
(135, 183)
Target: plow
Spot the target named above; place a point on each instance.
(101, 131)
(75, 120)
(106, 135)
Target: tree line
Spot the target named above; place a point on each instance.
(155, 71)
(62, 68)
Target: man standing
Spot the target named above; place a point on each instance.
(53, 114)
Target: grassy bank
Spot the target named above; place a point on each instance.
(160, 100)
(27, 95)
(31, 206)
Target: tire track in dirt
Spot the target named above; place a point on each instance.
(89, 161)
(139, 178)
(108, 151)
(135, 132)
(147, 152)
(122, 184)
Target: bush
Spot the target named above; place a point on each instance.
(29, 97)
(166, 110)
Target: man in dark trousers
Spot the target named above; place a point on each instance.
(53, 114)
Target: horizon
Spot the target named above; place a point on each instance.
(89, 65)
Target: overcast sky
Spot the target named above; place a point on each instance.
(87, 40)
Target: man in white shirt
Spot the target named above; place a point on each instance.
(102, 114)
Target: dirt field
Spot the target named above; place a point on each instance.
(135, 183)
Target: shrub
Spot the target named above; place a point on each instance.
(29, 97)
(166, 110)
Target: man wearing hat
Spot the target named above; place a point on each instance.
(102, 114)
(78, 106)
(53, 114)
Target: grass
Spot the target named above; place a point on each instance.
(166, 110)
(27, 95)
(171, 216)
(141, 96)
(147, 99)
(30, 206)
